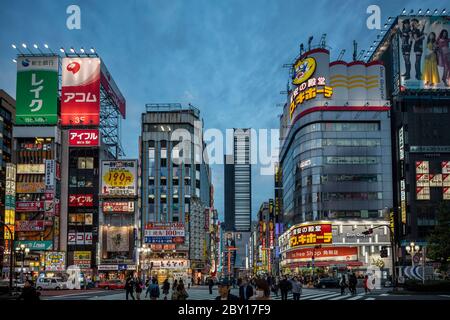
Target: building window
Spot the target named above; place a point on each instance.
(85, 163)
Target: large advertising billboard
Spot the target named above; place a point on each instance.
(37, 91)
(84, 138)
(80, 92)
(119, 178)
(164, 233)
(55, 261)
(310, 234)
(117, 239)
(424, 52)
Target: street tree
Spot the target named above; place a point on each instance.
(439, 240)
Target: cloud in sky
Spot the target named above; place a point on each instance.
(224, 57)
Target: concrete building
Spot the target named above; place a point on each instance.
(7, 118)
(175, 188)
(335, 161)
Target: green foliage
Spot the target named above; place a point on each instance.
(439, 241)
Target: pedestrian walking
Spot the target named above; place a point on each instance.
(129, 287)
(262, 291)
(174, 285)
(296, 288)
(138, 286)
(276, 286)
(166, 288)
(210, 285)
(153, 290)
(29, 292)
(353, 281)
(285, 286)
(245, 290)
(343, 284)
(366, 284)
(181, 291)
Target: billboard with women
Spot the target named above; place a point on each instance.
(424, 52)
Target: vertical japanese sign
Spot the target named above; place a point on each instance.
(80, 92)
(10, 202)
(49, 175)
(37, 90)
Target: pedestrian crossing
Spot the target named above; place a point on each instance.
(316, 294)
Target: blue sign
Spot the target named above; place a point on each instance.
(149, 239)
(122, 267)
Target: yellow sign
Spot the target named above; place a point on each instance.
(119, 178)
(308, 94)
(304, 69)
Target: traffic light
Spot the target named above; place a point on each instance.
(383, 252)
(367, 232)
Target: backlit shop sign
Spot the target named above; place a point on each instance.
(118, 206)
(310, 234)
(83, 138)
(29, 206)
(81, 200)
(307, 87)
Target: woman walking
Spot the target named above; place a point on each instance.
(166, 288)
(181, 292)
(366, 285)
(138, 288)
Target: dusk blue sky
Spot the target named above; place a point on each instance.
(223, 56)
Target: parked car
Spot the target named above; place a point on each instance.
(327, 283)
(50, 284)
(112, 284)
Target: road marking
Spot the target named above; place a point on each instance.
(359, 296)
(318, 296)
(344, 296)
(370, 299)
(444, 295)
(327, 296)
(384, 294)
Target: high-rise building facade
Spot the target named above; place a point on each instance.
(175, 190)
(419, 93)
(335, 167)
(7, 118)
(238, 183)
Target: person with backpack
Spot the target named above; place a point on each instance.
(166, 288)
(181, 291)
(343, 284)
(153, 290)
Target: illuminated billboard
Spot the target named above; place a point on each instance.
(119, 178)
(80, 92)
(37, 90)
(164, 233)
(424, 52)
(84, 138)
(310, 234)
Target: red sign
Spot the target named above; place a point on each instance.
(118, 206)
(83, 137)
(310, 234)
(81, 200)
(29, 206)
(326, 253)
(30, 225)
(49, 195)
(80, 92)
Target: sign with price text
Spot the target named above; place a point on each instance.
(119, 178)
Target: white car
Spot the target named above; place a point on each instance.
(50, 284)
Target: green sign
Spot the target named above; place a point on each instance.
(35, 245)
(37, 90)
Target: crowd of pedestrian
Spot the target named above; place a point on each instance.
(153, 291)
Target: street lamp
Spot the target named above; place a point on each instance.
(23, 251)
(412, 249)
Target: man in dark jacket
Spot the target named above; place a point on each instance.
(285, 286)
(224, 291)
(129, 287)
(245, 290)
(29, 292)
(210, 285)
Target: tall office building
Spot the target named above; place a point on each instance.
(419, 125)
(238, 183)
(7, 117)
(175, 190)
